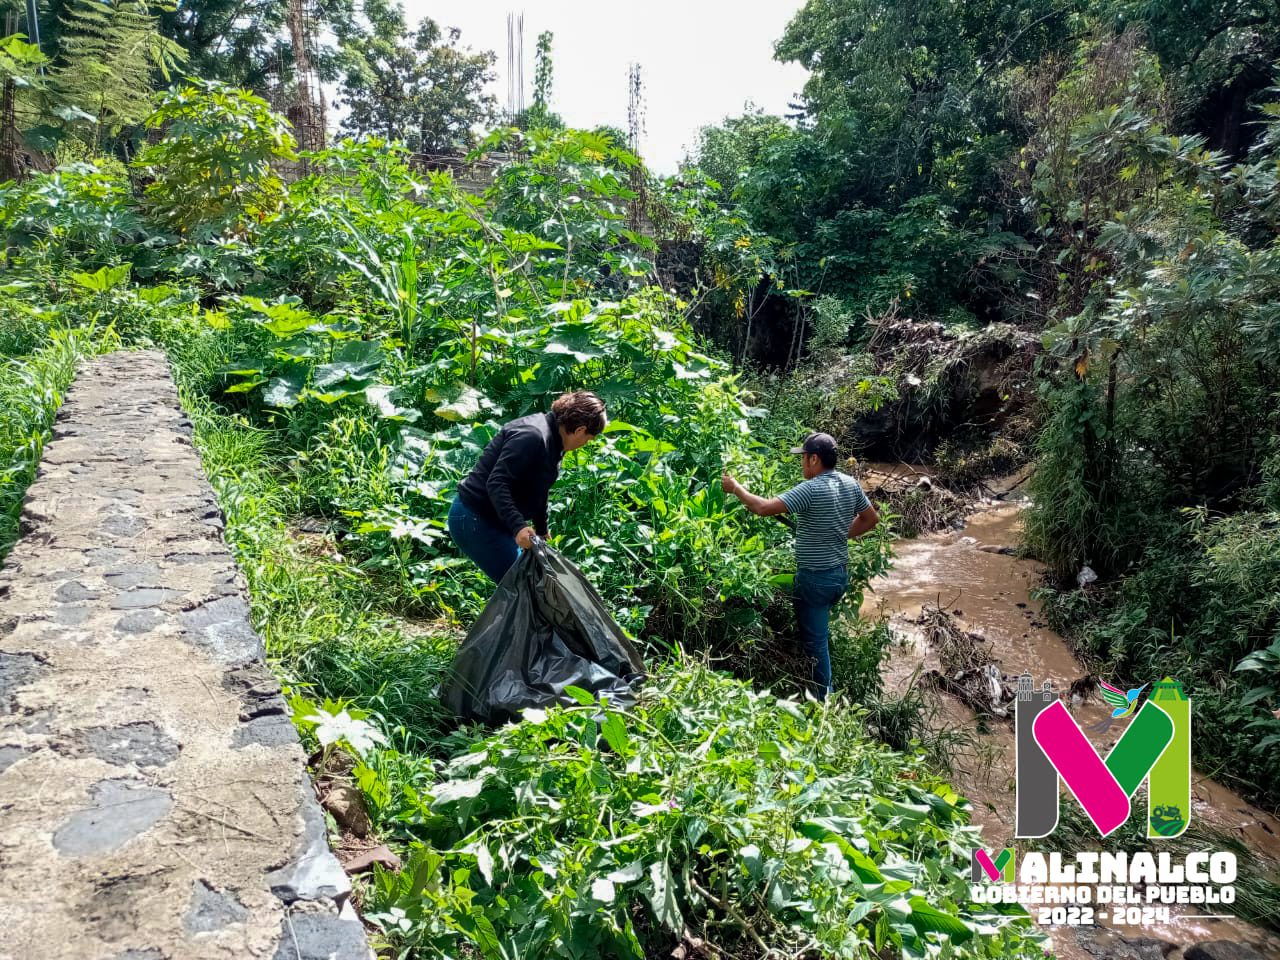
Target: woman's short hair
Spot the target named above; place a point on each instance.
(580, 409)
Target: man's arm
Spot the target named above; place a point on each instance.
(863, 522)
(757, 505)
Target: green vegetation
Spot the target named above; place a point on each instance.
(994, 233)
(31, 389)
(717, 808)
(346, 344)
(1102, 178)
(415, 86)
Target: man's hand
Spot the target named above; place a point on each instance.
(757, 505)
(524, 539)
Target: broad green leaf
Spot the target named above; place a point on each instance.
(628, 874)
(925, 917)
(662, 896)
(911, 812)
(642, 442)
(619, 426)
(615, 734)
(288, 322)
(486, 938)
(692, 372)
(283, 319)
(452, 791)
(334, 394)
(283, 391)
(157, 294)
(459, 404)
(104, 280)
(245, 386)
(580, 352)
(354, 360)
(582, 696)
(861, 910)
(384, 399)
(19, 50)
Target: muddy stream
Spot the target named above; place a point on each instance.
(973, 574)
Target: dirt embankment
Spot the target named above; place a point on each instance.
(965, 389)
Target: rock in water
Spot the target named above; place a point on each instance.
(1221, 950)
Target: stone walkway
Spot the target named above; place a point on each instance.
(153, 799)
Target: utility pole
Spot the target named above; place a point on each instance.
(515, 67)
(636, 209)
(33, 23)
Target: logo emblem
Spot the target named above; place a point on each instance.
(1155, 747)
(997, 870)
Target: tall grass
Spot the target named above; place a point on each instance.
(31, 391)
(329, 626)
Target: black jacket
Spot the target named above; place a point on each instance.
(510, 483)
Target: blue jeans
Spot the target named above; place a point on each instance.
(816, 592)
(487, 545)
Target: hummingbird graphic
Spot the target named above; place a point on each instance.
(1123, 704)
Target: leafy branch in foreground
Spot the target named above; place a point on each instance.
(758, 825)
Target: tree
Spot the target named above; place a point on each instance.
(540, 115)
(420, 87)
(900, 85)
(213, 169)
(727, 151)
(246, 43)
(20, 66)
(1218, 55)
(109, 51)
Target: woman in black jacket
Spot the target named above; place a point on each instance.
(502, 504)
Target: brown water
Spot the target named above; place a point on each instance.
(988, 592)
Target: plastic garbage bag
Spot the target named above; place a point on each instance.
(546, 628)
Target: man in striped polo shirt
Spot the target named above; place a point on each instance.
(830, 509)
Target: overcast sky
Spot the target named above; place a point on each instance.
(701, 60)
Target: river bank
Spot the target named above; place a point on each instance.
(975, 575)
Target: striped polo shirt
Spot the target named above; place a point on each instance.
(824, 508)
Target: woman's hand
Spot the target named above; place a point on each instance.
(728, 484)
(524, 539)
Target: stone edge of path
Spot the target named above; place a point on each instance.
(154, 799)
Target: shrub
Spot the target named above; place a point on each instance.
(212, 166)
(708, 811)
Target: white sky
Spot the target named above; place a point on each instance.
(701, 60)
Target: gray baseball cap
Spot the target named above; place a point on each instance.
(818, 443)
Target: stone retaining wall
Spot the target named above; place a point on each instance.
(154, 803)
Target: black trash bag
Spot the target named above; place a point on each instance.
(544, 629)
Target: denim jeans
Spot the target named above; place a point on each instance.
(816, 592)
(489, 546)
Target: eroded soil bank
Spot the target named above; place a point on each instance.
(974, 574)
